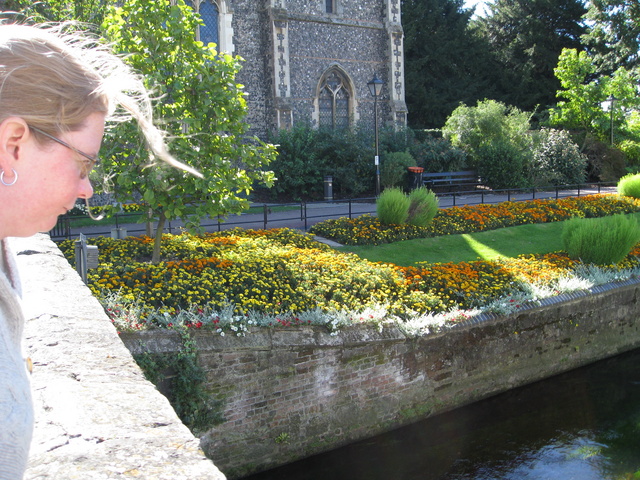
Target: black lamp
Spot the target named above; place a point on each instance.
(375, 87)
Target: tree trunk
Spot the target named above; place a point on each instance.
(149, 223)
(155, 259)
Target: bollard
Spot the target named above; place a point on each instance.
(328, 187)
(119, 233)
(87, 256)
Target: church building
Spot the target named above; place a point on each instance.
(311, 60)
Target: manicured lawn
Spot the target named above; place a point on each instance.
(489, 245)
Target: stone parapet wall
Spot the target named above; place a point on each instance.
(96, 415)
(291, 393)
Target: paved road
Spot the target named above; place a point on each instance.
(304, 216)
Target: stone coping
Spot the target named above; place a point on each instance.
(96, 415)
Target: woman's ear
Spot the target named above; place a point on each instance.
(14, 132)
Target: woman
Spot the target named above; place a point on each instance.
(56, 92)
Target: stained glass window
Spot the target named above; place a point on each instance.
(208, 10)
(333, 102)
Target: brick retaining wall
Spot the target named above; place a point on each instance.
(290, 393)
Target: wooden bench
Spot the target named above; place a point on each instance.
(450, 181)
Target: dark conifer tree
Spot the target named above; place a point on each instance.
(527, 37)
(614, 34)
(445, 63)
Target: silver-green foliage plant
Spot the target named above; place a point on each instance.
(601, 241)
(423, 206)
(392, 207)
(557, 160)
(629, 185)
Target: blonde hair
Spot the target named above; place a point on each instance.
(54, 77)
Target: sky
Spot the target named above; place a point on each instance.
(478, 3)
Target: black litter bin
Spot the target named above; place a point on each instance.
(414, 178)
(328, 187)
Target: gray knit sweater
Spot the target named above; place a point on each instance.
(16, 410)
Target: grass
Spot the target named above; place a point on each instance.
(506, 242)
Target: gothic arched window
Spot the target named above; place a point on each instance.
(208, 10)
(209, 32)
(334, 101)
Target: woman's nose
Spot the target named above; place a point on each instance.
(85, 189)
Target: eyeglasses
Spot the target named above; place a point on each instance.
(88, 162)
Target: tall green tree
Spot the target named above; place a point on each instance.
(445, 63)
(202, 108)
(583, 93)
(614, 33)
(527, 37)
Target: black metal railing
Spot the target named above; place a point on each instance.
(303, 215)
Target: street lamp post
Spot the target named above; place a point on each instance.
(611, 100)
(375, 87)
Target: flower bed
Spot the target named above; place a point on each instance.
(231, 280)
(367, 230)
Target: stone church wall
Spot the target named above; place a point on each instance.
(287, 45)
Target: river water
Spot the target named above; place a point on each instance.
(581, 425)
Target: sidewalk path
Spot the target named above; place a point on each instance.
(303, 216)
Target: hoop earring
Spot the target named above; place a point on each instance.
(15, 178)
(91, 215)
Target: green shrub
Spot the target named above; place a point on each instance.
(298, 168)
(393, 207)
(348, 155)
(489, 122)
(396, 139)
(629, 185)
(605, 163)
(307, 154)
(602, 241)
(501, 164)
(438, 155)
(556, 160)
(423, 206)
(631, 150)
(393, 172)
(630, 144)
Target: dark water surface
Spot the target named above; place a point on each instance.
(582, 425)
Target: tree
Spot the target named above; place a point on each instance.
(471, 128)
(583, 93)
(445, 63)
(614, 34)
(202, 109)
(90, 12)
(496, 138)
(527, 37)
(580, 95)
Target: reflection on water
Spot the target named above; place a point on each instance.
(582, 425)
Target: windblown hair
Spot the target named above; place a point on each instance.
(54, 77)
